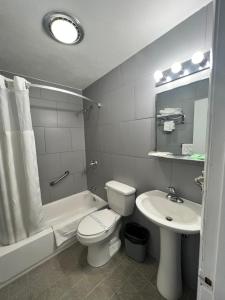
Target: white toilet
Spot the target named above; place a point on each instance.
(100, 230)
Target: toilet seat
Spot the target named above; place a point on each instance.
(98, 223)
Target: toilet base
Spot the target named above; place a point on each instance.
(100, 253)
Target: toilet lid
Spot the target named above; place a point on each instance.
(98, 222)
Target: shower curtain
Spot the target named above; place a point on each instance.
(21, 212)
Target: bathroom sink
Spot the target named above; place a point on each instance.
(180, 217)
(173, 219)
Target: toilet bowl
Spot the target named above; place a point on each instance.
(99, 231)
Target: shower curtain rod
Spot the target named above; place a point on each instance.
(51, 88)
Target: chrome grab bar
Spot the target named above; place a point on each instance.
(54, 182)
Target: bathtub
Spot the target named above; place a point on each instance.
(19, 258)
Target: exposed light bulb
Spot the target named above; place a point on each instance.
(176, 67)
(197, 57)
(158, 75)
(168, 78)
(186, 72)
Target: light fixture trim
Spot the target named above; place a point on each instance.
(51, 17)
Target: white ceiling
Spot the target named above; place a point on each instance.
(114, 31)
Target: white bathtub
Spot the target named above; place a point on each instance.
(19, 258)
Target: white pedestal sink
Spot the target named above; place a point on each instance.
(173, 219)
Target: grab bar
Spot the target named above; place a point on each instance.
(54, 182)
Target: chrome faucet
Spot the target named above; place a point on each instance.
(173, 196)
(93, 163)
(200, 180)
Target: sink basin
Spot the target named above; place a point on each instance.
(180, 217)
(173, 219)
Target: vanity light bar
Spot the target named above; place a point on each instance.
(200, 61)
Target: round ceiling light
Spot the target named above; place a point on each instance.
(63, 28)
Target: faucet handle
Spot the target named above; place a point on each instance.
(172, 190)
(93, 163)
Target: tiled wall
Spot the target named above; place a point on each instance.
(121, 133)
(59, 135)
(183, 97)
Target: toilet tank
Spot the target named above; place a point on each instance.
(121, 197)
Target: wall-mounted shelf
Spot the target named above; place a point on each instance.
(170, 116)
(170, 155)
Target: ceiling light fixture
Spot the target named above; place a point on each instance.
(63, 28)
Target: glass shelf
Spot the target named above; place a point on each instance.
(170, 155)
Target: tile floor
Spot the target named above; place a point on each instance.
(68, 277)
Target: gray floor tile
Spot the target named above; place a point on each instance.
(68, 277)
(4, 293)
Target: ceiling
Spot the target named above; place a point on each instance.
(114, 31)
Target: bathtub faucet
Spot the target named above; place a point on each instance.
(93, 163)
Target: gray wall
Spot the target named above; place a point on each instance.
(60, 143)
(121, 133)
(183, 97)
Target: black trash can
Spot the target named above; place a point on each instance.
(136, 239)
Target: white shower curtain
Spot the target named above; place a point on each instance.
(21, 212)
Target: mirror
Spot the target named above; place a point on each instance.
(181, 120)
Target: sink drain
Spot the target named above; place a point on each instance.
(169, 218)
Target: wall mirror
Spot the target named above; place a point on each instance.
(181, 121)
